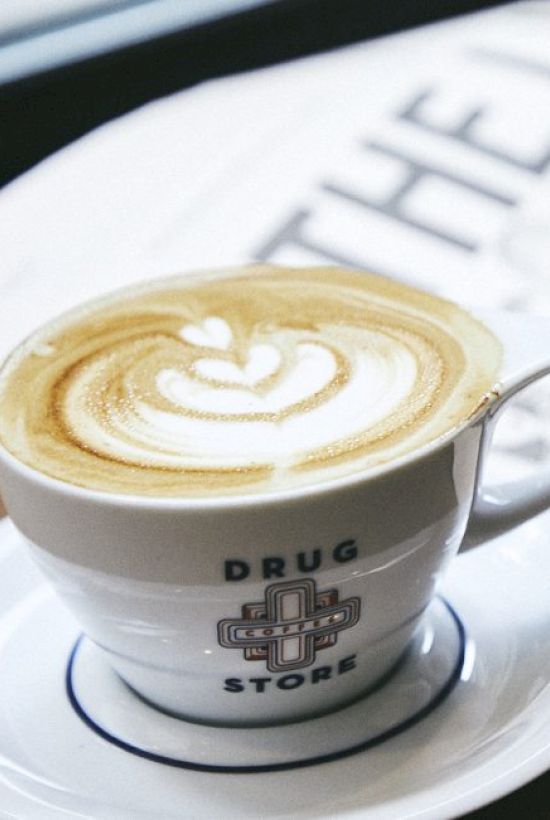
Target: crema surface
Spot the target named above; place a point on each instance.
(242, 381)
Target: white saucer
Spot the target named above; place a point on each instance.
(489, 736)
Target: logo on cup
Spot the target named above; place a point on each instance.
(290, 625)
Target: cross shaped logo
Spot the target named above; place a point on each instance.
(290, 625)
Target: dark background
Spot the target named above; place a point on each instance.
(41, 113)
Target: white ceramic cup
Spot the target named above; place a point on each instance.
(271, 608)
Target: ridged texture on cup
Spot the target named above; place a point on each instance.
(242, 381)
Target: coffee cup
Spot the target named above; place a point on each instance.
(259, 596)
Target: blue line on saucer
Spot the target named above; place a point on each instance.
(443, 693)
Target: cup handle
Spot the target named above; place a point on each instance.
(526, 359)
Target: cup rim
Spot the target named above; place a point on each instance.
(238, 500)
(254, 499)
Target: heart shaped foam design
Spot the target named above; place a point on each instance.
(212, 332)
(263, 361)
(232, 392)
(247, 380)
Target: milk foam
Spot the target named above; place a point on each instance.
(245, 381)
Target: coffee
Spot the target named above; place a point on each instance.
(242, 381)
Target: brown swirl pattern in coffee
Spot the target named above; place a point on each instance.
(240, 381)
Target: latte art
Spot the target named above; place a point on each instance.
(243, 381)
